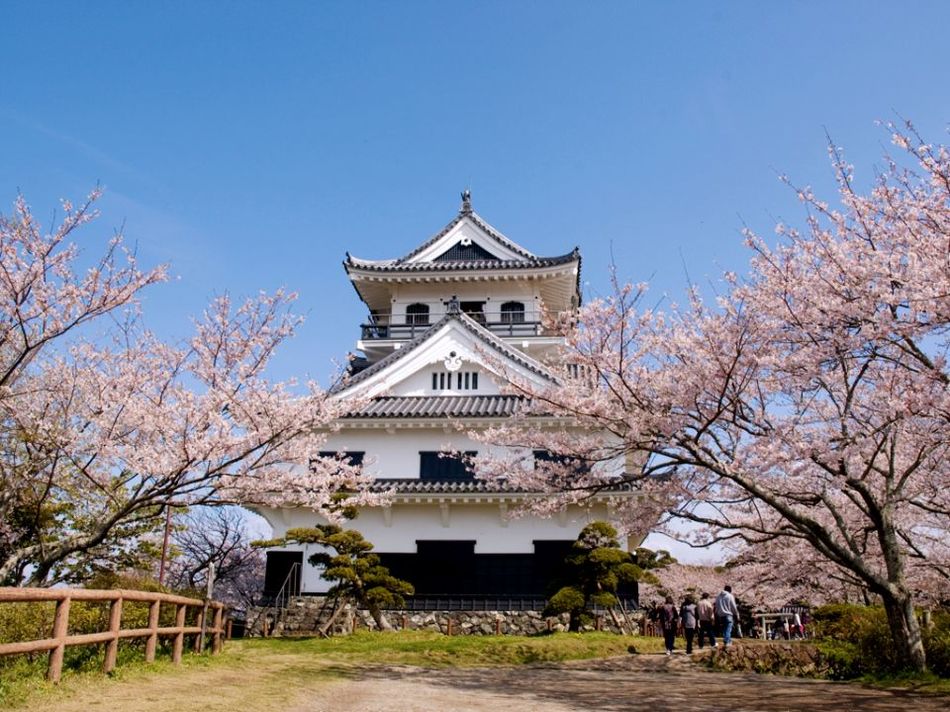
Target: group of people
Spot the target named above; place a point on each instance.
(786, 629)
(704, 617)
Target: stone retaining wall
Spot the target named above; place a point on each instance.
(796, 659)
(306, 614)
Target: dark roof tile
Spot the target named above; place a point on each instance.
(457, 265)
(439, 407)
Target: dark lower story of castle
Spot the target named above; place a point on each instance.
(449, 575)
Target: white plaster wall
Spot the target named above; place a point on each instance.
(420, 383)
(395, 453)
(485, 523)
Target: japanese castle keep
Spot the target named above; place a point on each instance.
(438, 319)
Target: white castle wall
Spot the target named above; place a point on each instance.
(394, 454)
(398, 531)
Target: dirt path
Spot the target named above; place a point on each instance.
(645, 682)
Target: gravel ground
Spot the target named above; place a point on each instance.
(654, 683)
(645, 682)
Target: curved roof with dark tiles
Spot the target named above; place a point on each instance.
(439, 407)
(453, 265)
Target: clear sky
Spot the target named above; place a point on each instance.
(250, 144)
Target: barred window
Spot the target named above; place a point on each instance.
(458, 381)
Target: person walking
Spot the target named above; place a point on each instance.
(707, 620)
(727, 613)
(669, 618)
(688, 616)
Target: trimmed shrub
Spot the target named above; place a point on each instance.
(856, 641)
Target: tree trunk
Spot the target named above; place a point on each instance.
(574, 625)
(616, 620)
(905, 631)
(381, 622)
(335, 614)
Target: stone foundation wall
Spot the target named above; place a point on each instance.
(795, 659)
(307, 614)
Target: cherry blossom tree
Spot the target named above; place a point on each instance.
(101, 436)
(807, 408)
(217, 536)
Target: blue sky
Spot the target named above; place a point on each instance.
(251, 144)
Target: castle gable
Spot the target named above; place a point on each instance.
(455, 356)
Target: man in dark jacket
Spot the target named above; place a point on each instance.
(669, 618)
(688, 615)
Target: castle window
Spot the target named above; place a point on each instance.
(352, 458)
(417, 314)
(458, 381)
(574, 463)
(512, 313)
(476, 310)
(444, 467)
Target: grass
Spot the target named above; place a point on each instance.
(916, 682)
(23, 680)
(264, 674)
(427, 649)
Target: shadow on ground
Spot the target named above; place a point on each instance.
(661, 684)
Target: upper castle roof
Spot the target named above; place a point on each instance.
(468, 246)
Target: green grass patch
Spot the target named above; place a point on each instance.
(277, 664)
(927, 683)
(23, 678)
(428, 649)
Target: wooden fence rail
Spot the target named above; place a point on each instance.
(60, 637)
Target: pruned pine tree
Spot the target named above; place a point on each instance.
(359, 577)
(596, 567)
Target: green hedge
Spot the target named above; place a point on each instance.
(857, 641)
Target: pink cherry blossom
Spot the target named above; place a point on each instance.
(805, 411)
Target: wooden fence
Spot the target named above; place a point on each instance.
(60, 638)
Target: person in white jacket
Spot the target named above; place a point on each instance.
(727, 613)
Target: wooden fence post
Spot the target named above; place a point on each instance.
(152, 641)
(179, 643)
(112, 647)
(216, 631)
(498, 626)
(199, 639)
(230, 628)
(60, 630)
(55, 642)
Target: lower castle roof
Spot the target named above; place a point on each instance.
(485, 406)
(414, 485)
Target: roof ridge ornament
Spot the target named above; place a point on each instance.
(466, 208)
(453, 306)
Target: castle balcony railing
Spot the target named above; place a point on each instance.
(402, 327)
